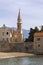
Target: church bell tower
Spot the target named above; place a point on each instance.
(19, 22)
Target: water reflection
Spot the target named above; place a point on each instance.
(33, 60)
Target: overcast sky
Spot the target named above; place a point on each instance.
(31, 12)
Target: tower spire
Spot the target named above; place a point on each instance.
(19, 25)
(19, 22)
(19, 16)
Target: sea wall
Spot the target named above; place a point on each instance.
(16, 47)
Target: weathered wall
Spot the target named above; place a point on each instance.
(16, 47)
(38, 45)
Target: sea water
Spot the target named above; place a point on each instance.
(32, 60)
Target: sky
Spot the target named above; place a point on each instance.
(31, 13)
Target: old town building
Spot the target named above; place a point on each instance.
(38, 43)
(11, 35)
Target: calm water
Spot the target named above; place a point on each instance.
(33, 60)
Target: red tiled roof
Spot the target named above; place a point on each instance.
(38, 34)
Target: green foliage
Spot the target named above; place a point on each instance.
(41, 28)
(31, 34)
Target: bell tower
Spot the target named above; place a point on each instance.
(19, 27)
(19, 22)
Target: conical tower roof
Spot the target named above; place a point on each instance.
(19, 16)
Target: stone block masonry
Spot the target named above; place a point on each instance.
(16, 47)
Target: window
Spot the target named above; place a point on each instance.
(38, 39)
(38, 45)
(18, 26)
(7, 33)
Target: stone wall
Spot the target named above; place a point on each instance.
(16, 47)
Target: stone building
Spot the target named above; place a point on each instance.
(11, 35)
(38, 43)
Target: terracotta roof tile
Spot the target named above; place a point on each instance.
(38, 34)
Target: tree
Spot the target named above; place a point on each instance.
(41, 28)
(36, 29)
(31, 34)
(30, 37)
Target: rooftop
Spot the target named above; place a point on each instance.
(38, 34)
